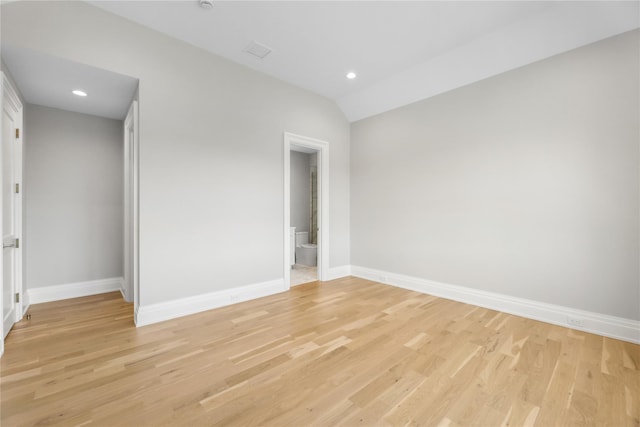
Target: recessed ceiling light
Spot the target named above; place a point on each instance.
(206, 4)
(79, 92)
(351, 75)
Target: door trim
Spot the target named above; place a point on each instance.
(11, 95)
(322, 147)
(131, 282)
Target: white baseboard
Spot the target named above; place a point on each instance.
(596, 323)
(26, 302)
(73, 290)
(159, 312)
(339, 272)
(124, 292)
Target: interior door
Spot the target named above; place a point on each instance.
(11, 121)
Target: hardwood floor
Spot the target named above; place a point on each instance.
(348, 352)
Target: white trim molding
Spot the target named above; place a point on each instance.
(131, 253)
(596, 323)
(159, 312)
(123, 290)
(74, 290)
(339, 272)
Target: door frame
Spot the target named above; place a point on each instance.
(131, 285)
(9, 93)
(291, 141)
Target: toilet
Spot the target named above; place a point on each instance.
(306, 253)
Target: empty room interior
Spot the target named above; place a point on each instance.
(295, 213)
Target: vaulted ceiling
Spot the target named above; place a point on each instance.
(401, 51)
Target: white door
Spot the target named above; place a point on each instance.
(11, 206)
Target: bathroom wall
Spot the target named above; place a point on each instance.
(73, 197)
(525, 184)
(300, 190)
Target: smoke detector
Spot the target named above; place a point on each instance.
(206, 4)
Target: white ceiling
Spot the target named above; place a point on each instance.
(47, 80)
(402, 51)
(316, 43)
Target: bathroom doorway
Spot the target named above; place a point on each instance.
(304, 215)
(306, 210)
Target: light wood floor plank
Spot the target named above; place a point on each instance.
(347, 352)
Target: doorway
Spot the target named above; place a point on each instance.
(73, 249)
(299, 250)
(304, 215)
(11, 207)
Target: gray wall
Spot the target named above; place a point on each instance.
(525, 184)
(300, 190)
(74, 197)
(211, 148)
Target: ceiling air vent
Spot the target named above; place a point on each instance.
(206, 4)
(257, 49)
